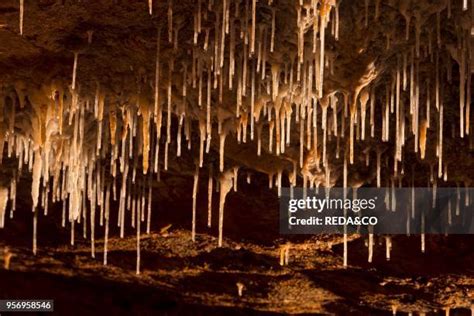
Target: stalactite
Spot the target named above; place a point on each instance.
(372, 113)
(377, 9)
(379, 181)
(388, 247)
(254, 21)
(371, 247)
(107, 217)
(74, 71)
(138, 240)
(462, 91)
(252, 103)
(345, 188)
(437, 96)
(35, 231)
(222, 138)
(440, 144)
(364, 98)
(3, 205)
(225, 185)
(35, 186)
(208, 112)
(272, 41)
(366, 6)
(423, 134)
(157, 109)
(170, 20)
(195, 190)
(22, 13)
(92, 218)
(324, 13)
(209, 196)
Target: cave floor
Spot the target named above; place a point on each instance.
(182, 277)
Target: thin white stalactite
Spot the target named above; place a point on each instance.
(379, 180)
(371, 247)
(364, 98)
(272, 41)
(209, 196)
(74, 71)
(92, 219)
(225, 185)
(35, 231)
(22, 13)
(138, 224)
(322, 30)
(388, 247)
(462, 91)
(157, 111)
(440, 144)
(3, 205)
(345, 188)
(254, 22)
(170, 21)
(195, 191)
(107, 217)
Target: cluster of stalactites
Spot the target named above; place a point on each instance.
(85, 148)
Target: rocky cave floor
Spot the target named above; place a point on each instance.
(182, 277)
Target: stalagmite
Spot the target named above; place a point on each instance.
(284, 254)
(240, 288)
(7, 256)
